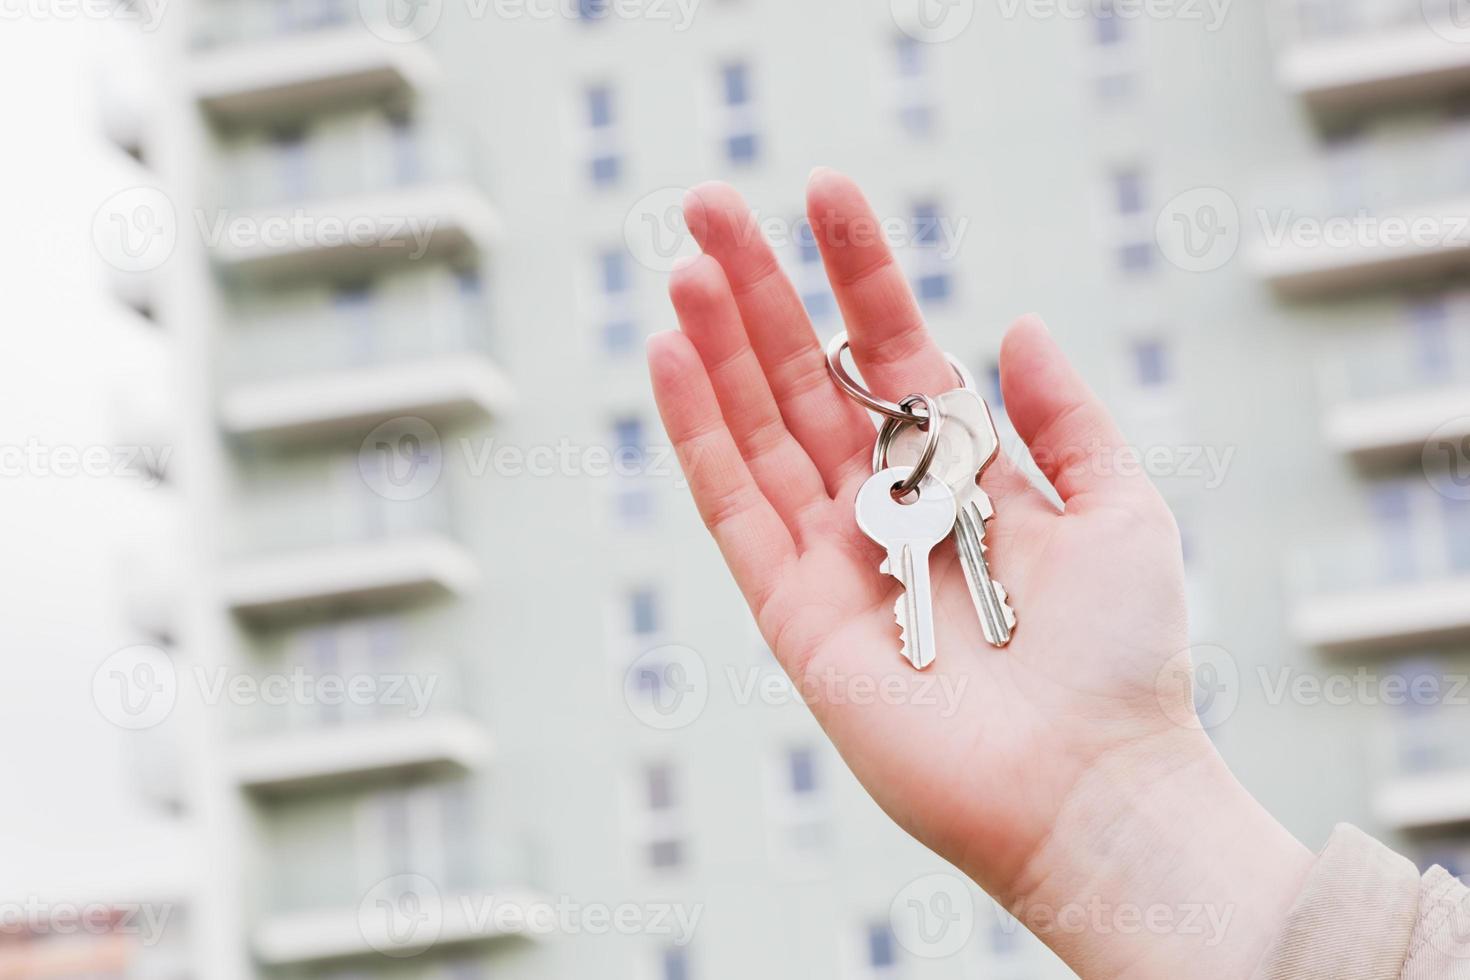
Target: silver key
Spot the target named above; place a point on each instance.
(968, 443)
(909, 531)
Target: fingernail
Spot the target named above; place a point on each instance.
(684, 262)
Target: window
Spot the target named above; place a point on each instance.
(674, 964)
(628, 440)
(1128, 191)
(803, 771)
(1136, 256)
(643, 611)
(632, 487)
(293, 162)
(1393, 516)
(915, 97)
(407, 167)
(736, 81)
(800, 830)
(617, 326)
(882, 947)
(1432, 349)
(1108, 26)
(1150, 363)
(741, 145)
(661, 813)
(931, 280)
(605, 160)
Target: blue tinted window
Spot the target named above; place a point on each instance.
(643, 611)
(606, 169)
(614, 272)
(928, 230)
(1431, 340)
(599, 106)
(1136, 256)
(1109, 25)
(910, 57)
(1128, 190)
(1150, 363)
(736, 81)
(803, 772)
(743, 148)
(882, 950)
(933, 288)
(676, 964)
(619, 336)
(819, 304)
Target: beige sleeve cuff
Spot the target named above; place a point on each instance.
(1356, 915)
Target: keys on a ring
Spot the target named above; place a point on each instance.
(928, 465)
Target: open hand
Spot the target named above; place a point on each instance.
(1084, 700)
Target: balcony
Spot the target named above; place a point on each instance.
(259, 60)
(345, 933)
(330, 756)
(422, 848)
(1406, 587)
(1372, 215)
(1346, 55)
(1427, 769)
(308, 551)
(342, 364)
(1389, 395)
(365, 194)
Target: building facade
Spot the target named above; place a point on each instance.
(418, 248)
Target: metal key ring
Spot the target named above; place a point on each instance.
(930, 422)
(835, 348)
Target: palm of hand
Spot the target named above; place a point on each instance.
(977, 755)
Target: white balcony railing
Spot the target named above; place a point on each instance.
(258, 59)
(1358, 54)
(1372, 213)
(1425, 763)
(369, 190)
(331, 755)
(301, 547)
(1387, 395)
(333, 363)
(1393, 589)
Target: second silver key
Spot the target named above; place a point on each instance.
(968, 443)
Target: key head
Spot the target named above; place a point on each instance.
(923, 520)
(968, 442)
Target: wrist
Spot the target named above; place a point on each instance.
(1160, 864)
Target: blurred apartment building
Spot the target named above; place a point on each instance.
(1387, 85)
(346, 396)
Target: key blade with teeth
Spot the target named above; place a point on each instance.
(909, 531)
